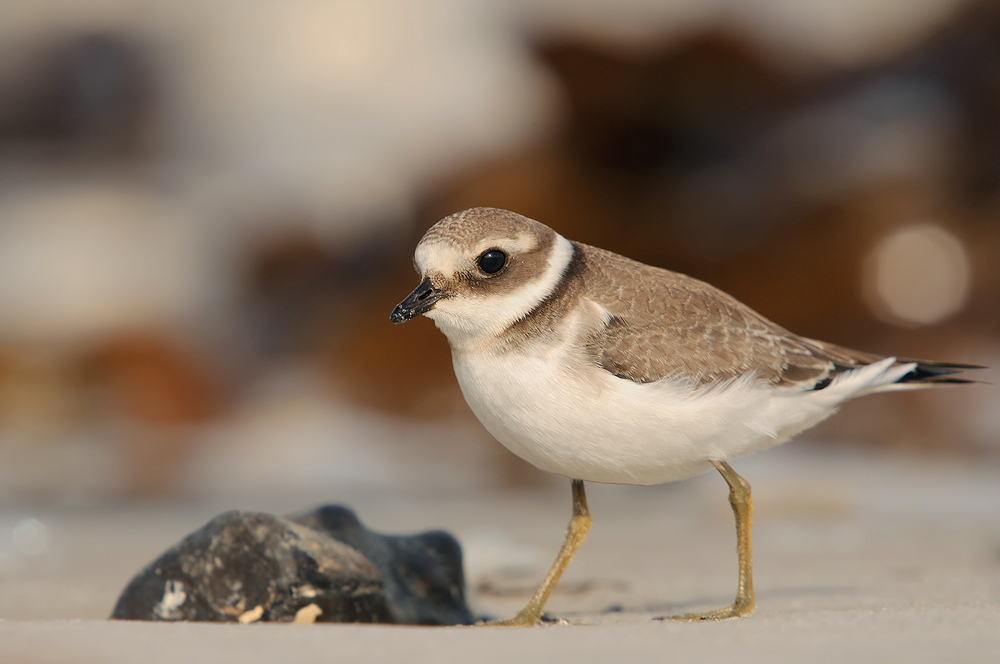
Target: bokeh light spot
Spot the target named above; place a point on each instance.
(31, 537)
(918, 275)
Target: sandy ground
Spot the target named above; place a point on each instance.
(857, 558)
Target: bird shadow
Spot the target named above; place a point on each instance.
(673, 608)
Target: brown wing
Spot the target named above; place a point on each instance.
(668, 324)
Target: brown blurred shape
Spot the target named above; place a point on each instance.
(86, 94)
(332, 301)
(158, 389)
(154, 379)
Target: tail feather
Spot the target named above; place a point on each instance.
(937, 373)
(898, 375)
(922, 373)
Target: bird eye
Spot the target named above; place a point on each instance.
(492, 261)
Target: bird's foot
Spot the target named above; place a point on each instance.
(736, 610)
(523, 619)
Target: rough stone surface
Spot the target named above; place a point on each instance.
(248, 567)
(320, 566)
(422, 574)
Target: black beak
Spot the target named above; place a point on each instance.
(421, 300)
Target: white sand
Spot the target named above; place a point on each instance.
(856, 559)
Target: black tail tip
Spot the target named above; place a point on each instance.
(938, 372)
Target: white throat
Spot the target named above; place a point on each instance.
(470, 319)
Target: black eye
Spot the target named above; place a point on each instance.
(492, 261)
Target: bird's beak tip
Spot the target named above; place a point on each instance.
(420, 301)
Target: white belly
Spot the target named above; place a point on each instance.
(565, 417)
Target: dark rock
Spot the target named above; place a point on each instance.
(323, 565)
(246, 566)
(422, 574)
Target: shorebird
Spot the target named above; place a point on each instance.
(602, 369)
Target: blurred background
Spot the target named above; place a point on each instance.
(208, 209)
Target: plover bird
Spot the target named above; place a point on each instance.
(593, 366)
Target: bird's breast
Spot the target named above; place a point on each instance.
(551, 407)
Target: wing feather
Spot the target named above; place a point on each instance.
(665, 324)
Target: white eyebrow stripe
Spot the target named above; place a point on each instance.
(521, 244)
(448, 258)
